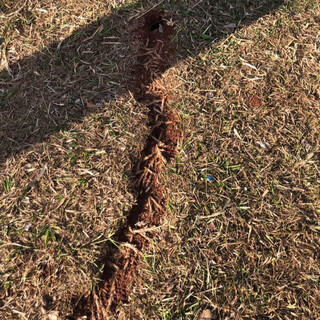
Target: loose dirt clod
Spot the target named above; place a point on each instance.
(120, 265)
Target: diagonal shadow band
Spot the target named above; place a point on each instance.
(49, 90)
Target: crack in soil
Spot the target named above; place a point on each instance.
(120, 265)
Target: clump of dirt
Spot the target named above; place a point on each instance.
(155, 52)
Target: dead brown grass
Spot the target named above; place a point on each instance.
(62, 196)
(66, 198)
(242, 234)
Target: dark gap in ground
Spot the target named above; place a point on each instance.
(155, 26)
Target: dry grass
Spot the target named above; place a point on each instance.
(242, 234)
(63, 199)
(69, 133)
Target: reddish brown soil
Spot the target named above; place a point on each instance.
(255, 101)
(120, 266)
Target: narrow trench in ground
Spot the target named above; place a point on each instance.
(155, 37)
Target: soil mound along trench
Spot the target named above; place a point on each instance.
(154, 55)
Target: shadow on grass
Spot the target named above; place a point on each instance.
(49, 90)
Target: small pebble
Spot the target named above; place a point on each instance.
(28, 227)
(107, 96)
(206, 315)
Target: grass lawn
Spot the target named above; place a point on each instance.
(241, 232)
